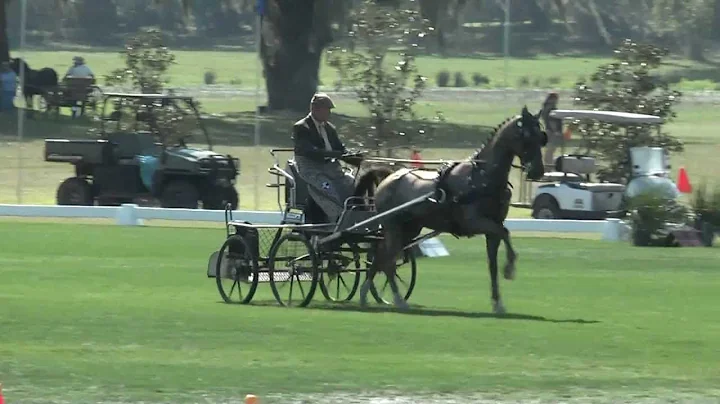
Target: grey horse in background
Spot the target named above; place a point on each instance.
(474, 200)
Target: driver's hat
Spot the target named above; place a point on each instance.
(322, 100)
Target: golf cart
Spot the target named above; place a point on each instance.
(569, 192)
(142, 154)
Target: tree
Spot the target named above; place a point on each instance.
(689, 21)
(147, 60)
(378, 32)
(626, 85)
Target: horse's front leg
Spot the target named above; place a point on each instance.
(492, 243)
(509, 270)
(371, 271)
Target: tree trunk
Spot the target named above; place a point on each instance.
(539, 18)
(294, 35)
(695, 48)
(4, 45)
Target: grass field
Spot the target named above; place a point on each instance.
(240, 68)
(233, 130)
(232, 125)
(96, 313)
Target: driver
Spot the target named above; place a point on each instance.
(317, 148)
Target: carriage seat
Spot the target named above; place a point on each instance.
(299, 197)
(575, 164)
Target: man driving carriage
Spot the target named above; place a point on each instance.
(317, 149)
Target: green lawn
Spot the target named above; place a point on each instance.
(104, 313)
(233, 131)
(240, 68)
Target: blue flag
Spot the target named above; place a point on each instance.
(261, 7)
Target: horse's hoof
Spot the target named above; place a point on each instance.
(401, 304)
(509, 271)
(364, 289)
(498, 307)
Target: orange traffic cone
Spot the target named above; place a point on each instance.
(249, 399)
(683, 184)
(2, 400)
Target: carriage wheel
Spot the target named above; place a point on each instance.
(405, 274)
(293, 270)
(339, 281)
(236, 271)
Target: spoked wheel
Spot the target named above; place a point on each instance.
(405, 275)
(236, 271)
(340, 276)
(293, 270)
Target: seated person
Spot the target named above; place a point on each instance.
(79, 69)
(317, 146)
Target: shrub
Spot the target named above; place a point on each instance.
(443, 78)
(554, 80)
(706, 205)
(480, 79)
(210, 77)
(650, 214)
(460, 80)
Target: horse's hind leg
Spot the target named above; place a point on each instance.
(492, 243)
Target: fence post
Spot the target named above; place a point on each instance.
(613, 229)
(127, 215)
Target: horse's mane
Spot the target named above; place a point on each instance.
(494, 135)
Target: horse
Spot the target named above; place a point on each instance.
(36, 81)
(474, 199)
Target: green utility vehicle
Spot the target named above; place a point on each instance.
(142, 154)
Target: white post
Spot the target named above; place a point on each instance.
(21, 111)
(258, 77)
(506, 41)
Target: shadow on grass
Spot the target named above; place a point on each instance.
(419, 310)
(238, 129)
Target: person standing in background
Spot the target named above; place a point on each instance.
(553, 128)
(8, 86)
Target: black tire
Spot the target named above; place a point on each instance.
(219, 197)
(546, 207)
(75, 191)
(284, 270)
(235, 252)
(340, 282)
(406, 274)
(180, 194)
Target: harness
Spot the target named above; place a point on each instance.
(477, 183)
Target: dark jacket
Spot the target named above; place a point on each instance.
(308, 141)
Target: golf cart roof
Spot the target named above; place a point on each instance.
(149, 96)
(607, 116)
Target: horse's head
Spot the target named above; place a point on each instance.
(15, 65)
(527, 142)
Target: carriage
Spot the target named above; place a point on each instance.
(304, 252)
(76, 93)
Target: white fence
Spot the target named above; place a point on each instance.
(133, 215)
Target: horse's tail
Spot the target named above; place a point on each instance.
(371, 177)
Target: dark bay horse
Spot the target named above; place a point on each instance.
(476, 200)
(37, 82)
